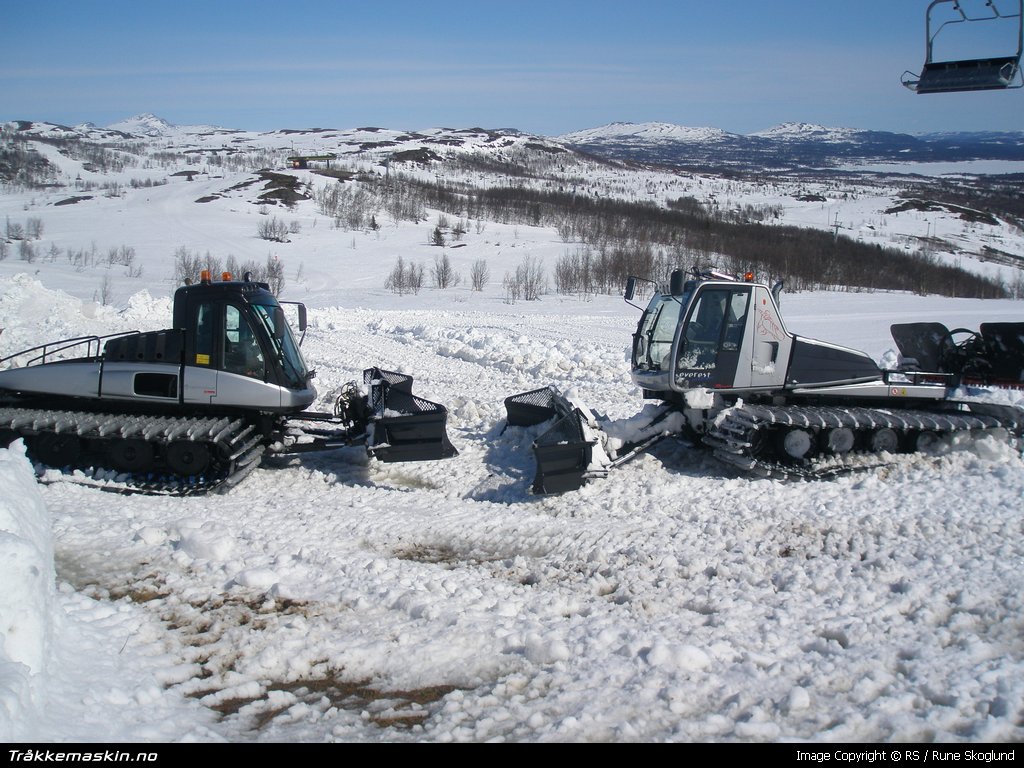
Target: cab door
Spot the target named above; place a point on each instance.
(202, 352)
(226, 359)
(242, 378)
(711, 339)
(771, 343)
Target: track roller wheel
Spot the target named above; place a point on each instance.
(131, 455)
(884, 440)
(187, 458)
(930, 442)
(796, 443)
(55, 450)
(839, 440)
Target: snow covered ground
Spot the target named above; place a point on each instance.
(337, 598)
(340, 599)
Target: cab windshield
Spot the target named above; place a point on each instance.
(652, 345)
(294, 367)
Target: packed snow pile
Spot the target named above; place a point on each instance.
(27, 599)
(32, 314)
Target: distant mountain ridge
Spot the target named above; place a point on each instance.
(793, 146)
(653, 132)
(787, 146)
(148, 124)
(379, 144)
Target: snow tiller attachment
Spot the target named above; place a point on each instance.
(404, 427)
(579, 446)
(564, 453)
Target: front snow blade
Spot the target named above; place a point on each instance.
(404, 427)
(564, 454)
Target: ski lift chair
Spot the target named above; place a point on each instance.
(974, 74)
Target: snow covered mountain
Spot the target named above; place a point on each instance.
(148, 124)
(145, 124)
(366, 142)
(787, 146)
(790, 146)
(645, 132)
(808, 131)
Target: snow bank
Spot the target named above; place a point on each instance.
(31, 314)
(28, 594)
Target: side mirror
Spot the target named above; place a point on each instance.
(301, 309)
(677, 282)
(630, 291)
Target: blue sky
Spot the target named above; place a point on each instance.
(544, 67)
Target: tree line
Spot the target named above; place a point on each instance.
(641, 238)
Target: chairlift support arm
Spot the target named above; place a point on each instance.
(965, 17)
(993, 73)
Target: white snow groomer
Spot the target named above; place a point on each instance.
(196, 406)
(715, 353)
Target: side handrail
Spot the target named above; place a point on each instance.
(52, 348)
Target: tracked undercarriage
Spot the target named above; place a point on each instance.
(162, 454)
(148, 452)
(811, 441)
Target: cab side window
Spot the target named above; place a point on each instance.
(242, 353)
(705, 324)
(735, 321)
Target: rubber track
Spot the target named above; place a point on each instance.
(234, 443)
(735, 433)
